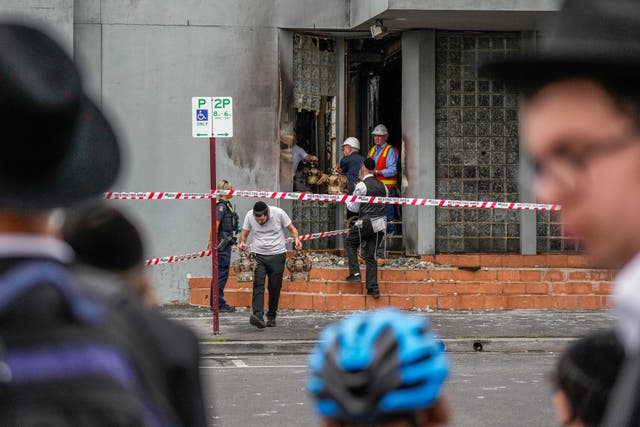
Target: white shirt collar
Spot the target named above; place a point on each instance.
(626, 300)
(32, 245)
(367, 176)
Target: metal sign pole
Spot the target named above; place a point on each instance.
(213, 293)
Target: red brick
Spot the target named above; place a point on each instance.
(509, 275)
(530, 275)
(447, 260)
(490, 260)
(579, 276)
(579, 261)
(480, 275)
(391, 275)
(567, 301)
(513, 261)
(244, 298)
(332, 302)
(449, 302)
(415, 275)
(295, 286)
(574, 288)
(323, 274)
(200, 282)
(319, 302)
(199, 296)
(518, 301)
(480, 288)
(606, 275)
(535, 260)
(469, 260)
(590, 302)
(439, 274)
(445, 288)
(542, 302)
(424, 301)
(330, 288)
(302, 301)
(428, 258)
(352, 302)
(397, 288)
(350, 288)
(231, 298)
(420, 288)
(536, 288)
(553, 276)
(557, 260)
(513, 288)
(371, 303)
(405, 302)
(471, 302)
(286, 300)
(495, 302)
(603, 288)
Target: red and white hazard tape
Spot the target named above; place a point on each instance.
(411, 201)
(209, 252)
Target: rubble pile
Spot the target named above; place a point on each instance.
(322, 260)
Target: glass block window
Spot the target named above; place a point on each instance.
(550, 234)
(313, 217)
(477, 154)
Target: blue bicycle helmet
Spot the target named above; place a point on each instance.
(376, 364)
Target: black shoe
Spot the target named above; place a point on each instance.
(353, 278)
(271, 323)
(226, 309)
(257, 322)
(374, 293)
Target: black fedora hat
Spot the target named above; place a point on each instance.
(589, 38)
(57, 148)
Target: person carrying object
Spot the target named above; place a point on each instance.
(228, 225)
(266, 225)
(368, 229)
(350, 167)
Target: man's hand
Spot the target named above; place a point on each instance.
(298, 244)
(243, 246)
(322, 179)
(311, 158)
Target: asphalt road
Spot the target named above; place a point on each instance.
(485, 389)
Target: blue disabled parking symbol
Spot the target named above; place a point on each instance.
(202, 115)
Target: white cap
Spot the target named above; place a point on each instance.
(352, 142)
(380, 130)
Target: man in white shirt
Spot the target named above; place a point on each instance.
(581, 124)
(266, 225)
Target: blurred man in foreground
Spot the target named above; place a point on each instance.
(581, 124)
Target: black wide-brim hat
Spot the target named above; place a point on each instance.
(589, 38)
(56, 147)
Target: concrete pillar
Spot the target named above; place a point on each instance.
(528, 243)
(419, 138)
(341, 98)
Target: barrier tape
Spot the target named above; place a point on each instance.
(333, 198)
(209, 252)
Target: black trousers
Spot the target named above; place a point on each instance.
(270, 267)
(352, 243)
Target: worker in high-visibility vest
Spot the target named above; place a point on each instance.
(386, 158)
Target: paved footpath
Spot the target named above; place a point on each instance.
(298, 330)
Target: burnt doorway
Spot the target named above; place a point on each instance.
(374, 96)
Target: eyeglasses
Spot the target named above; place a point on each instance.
(565, 166)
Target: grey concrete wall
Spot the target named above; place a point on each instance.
(419, 139)
(145, 59)
(53, 16)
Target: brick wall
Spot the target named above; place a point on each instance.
(501, 282)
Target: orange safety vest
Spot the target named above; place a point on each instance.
(388, 181)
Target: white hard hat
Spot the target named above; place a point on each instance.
(380, 130)
(352, 142)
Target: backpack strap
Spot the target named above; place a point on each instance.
(27, 276)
